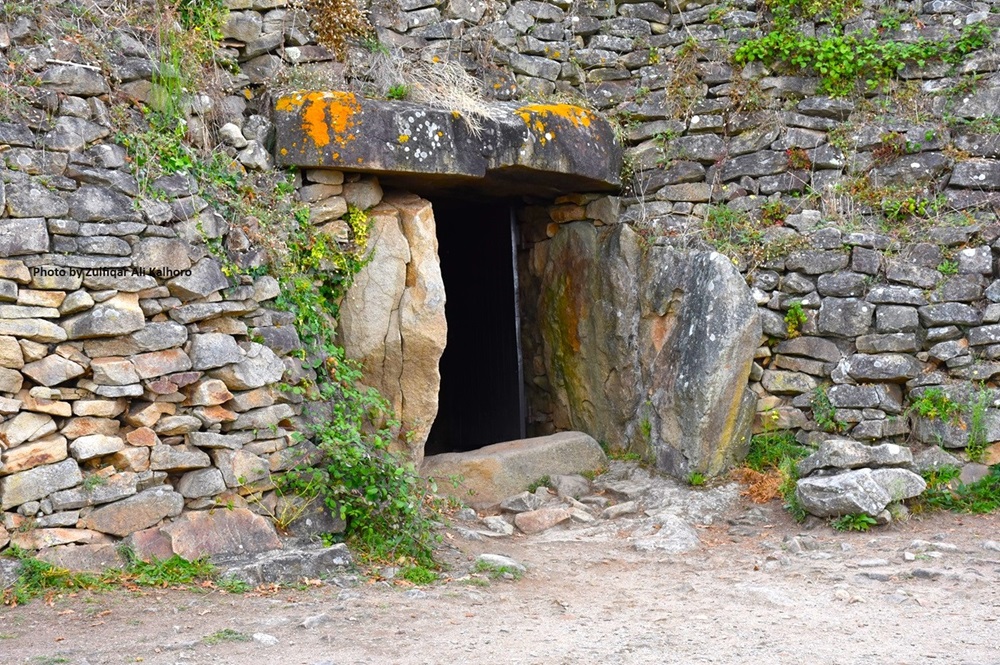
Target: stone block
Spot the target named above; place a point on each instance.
(495, 472)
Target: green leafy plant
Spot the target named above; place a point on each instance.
(934, 404)
(855, 522)
(93, 481)
(845, 62)
(795, 318)
(948, 267)
(544, 481)
(943, 493)
(398, 92)
(824, 412)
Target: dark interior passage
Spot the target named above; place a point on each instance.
(481, 396)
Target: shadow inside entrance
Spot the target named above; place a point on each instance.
(481, 400)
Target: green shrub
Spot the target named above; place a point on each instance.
(934, 404)
(795, 318)
(824, 412)
(418, 575)
(979, 497)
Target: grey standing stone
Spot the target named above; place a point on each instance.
(201, 483)
(848, 454)
(73, 80)
(118, 316)
(31, 199)
(52, 370)
(899, 484)
(890, 367)
(93, 203)
(206, 278)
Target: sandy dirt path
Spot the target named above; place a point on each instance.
(758, 590)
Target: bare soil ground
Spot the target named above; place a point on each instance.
(758, 590)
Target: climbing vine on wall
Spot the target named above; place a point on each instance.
(846, 61)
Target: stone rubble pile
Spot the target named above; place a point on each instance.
(655, 512)
(845, 477)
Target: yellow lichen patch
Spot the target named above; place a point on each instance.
(403, 138)
(326, 116)
(290, 103)
(580, 117)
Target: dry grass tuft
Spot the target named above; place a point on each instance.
(760, 487)
(443, 84)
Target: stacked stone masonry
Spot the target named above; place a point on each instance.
(887, 314)
(129, 398)
(140, 385)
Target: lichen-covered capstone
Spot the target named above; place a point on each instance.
(532, 147)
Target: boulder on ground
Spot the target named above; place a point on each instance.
(492, 473)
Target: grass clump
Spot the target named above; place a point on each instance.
(418, 575)
(770, 470)
(173, 572)
(496, 571)
(767, 450)
(225, 635)
(38, 578)
(696, 479)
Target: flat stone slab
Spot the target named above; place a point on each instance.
(535, 148)
(490, 474)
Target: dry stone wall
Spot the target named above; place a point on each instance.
(138, 381)
(140, 378)
(872, 216)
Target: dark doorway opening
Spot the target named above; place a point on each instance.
(481, 400)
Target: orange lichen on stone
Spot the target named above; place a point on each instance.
(580, 117)
(326, 116)
(290, 103)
